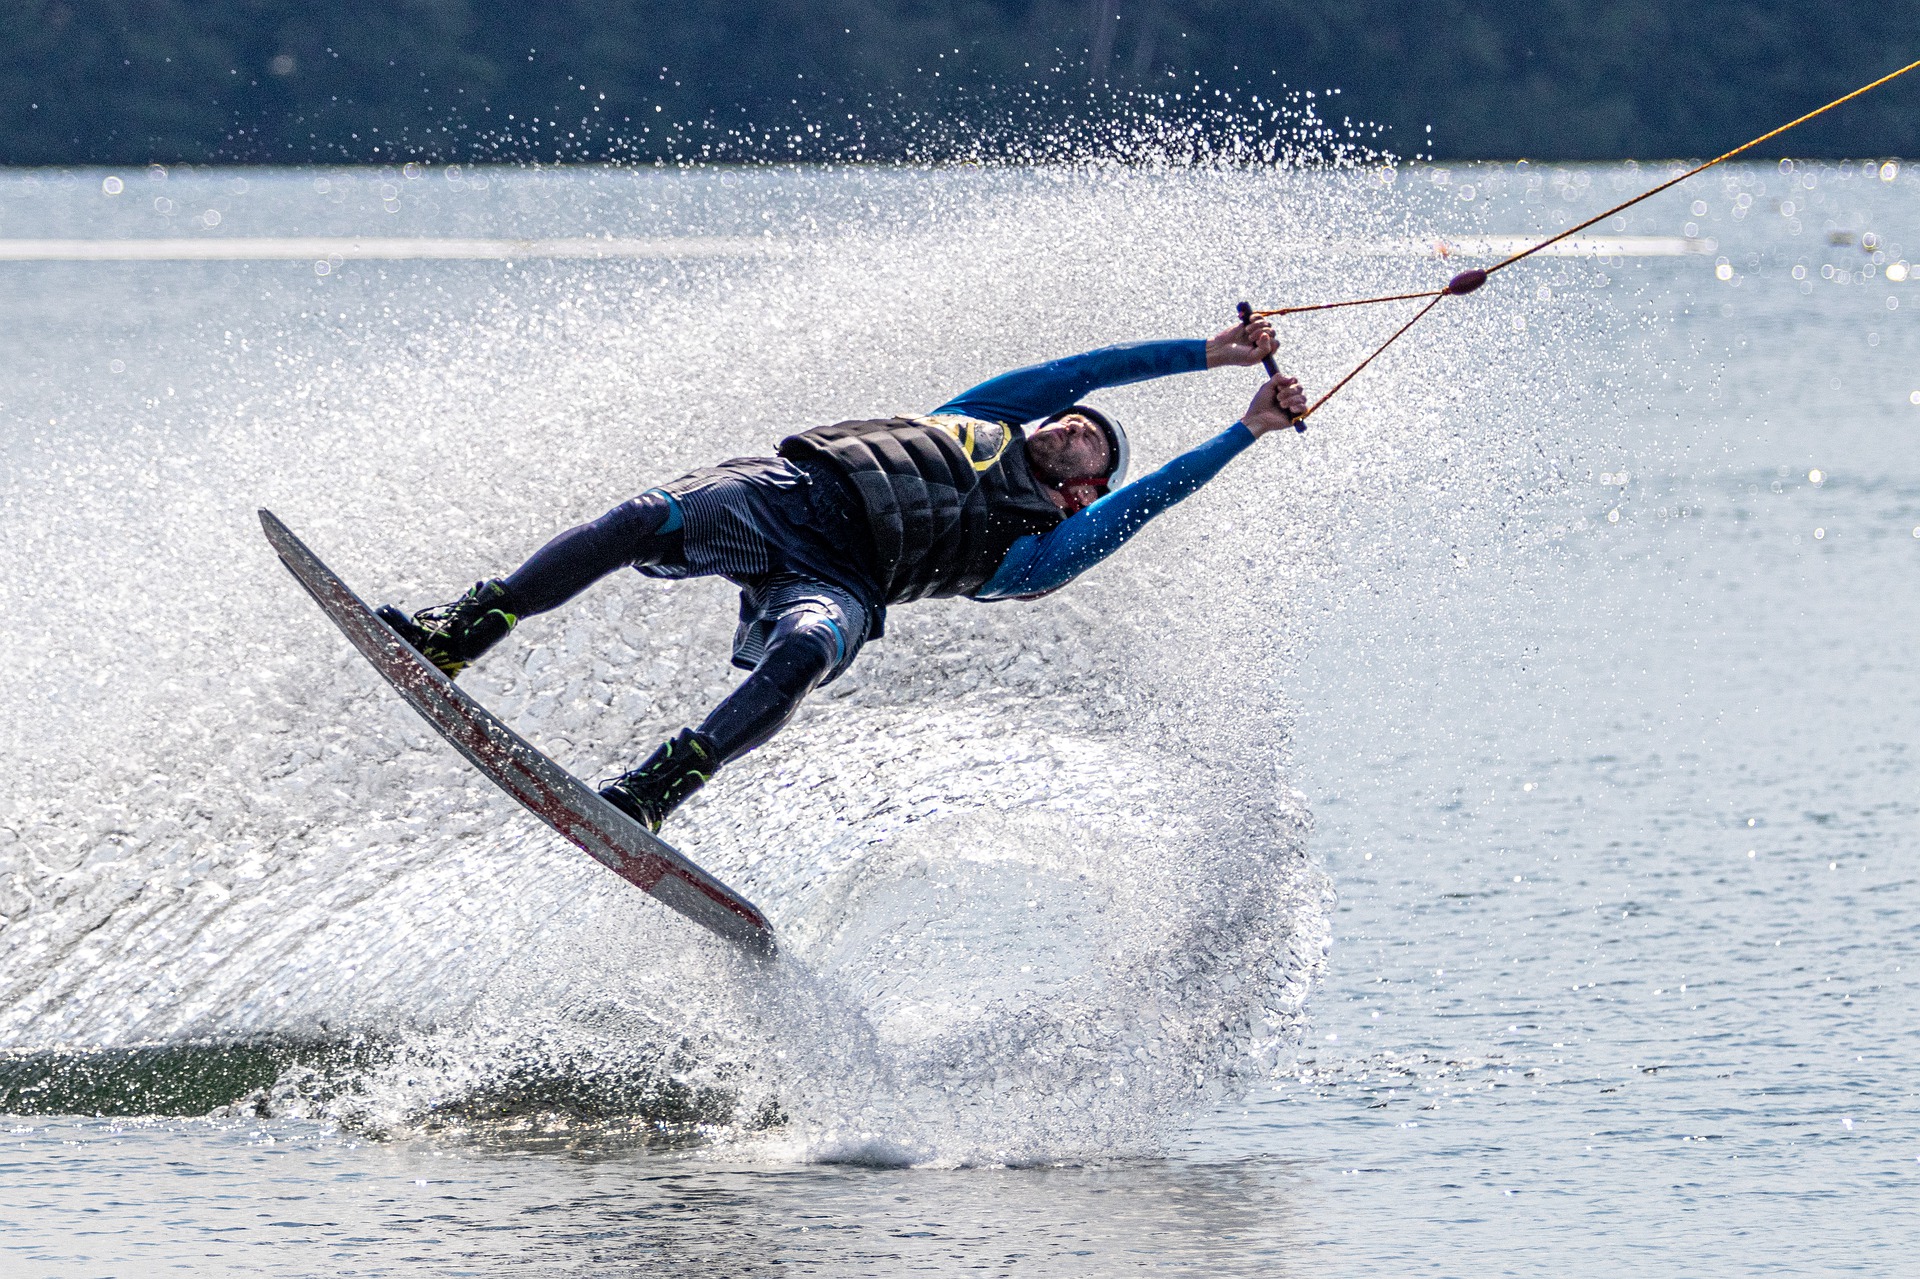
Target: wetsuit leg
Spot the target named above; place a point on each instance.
(806, 645)
(643, 531)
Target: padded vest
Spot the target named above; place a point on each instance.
(945, 497)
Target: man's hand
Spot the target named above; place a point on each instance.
(1247, 343)
(1275, 406)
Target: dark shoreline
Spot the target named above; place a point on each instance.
(477, 81)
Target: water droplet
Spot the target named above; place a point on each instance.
(1889, 171)
(1897, 272)
(113, 186)
(1819, 535)
(1816, 476)
(1723, 272)
(1613, 516)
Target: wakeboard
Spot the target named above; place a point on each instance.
(547, 790)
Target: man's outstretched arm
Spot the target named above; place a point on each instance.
(1037, 565)
(1041, 390)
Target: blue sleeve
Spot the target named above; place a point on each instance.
(1043, 389)
(1037, 565)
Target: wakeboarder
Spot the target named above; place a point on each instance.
(847, 520)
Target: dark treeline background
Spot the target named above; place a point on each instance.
(124, 81)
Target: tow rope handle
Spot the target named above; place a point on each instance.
(1273, 370)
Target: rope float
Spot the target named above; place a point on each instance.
(1467, 281)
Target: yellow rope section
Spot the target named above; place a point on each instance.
(1719, 159)
(1463, 283)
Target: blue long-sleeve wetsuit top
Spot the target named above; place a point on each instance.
(1037, 564)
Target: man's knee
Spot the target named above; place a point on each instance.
(652, 514)
(806, 646)
(807, 639)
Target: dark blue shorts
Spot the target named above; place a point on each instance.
(790, 538)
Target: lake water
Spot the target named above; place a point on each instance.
(1477, 835)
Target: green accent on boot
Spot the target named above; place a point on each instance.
(452, 635)
(678, 769)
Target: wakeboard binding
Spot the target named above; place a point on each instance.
(452, 636)
(678, 769)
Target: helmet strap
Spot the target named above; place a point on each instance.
(1096, 482)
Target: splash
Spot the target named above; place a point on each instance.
(1041, 884)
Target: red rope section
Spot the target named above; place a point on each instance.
(1313, 408)
(1335, 306)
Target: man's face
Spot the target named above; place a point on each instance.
(1072, 448)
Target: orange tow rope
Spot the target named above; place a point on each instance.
(1467, 281)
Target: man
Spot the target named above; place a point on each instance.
(852, 518)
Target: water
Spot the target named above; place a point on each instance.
(1392, 860)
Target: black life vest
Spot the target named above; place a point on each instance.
(945, 498)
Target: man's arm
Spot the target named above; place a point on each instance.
(1037, 565)
(1041, 390)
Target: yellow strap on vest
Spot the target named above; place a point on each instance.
(963, 431)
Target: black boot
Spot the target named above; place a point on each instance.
(678, 769)
(452, 635)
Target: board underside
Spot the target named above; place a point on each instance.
(548, 791)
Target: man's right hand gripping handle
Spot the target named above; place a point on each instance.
(1275, 405)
